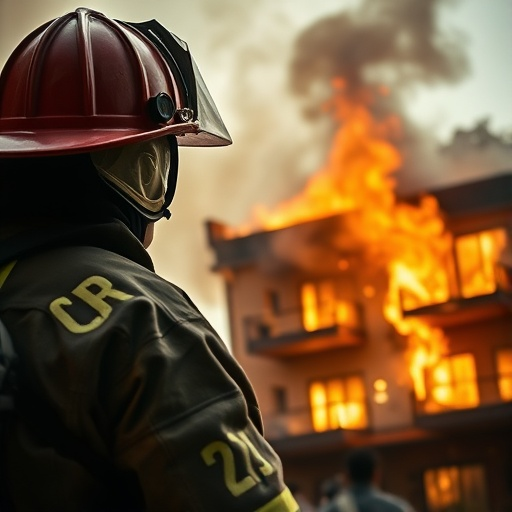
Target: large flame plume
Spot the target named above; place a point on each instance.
(410, 239)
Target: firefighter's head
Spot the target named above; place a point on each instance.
(126, 94)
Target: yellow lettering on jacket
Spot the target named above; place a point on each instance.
(238, 480)
(5, 271)
(94, 300)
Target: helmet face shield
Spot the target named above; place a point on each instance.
(210, 123)
(140, 170)
(199, 104)
(143, 173)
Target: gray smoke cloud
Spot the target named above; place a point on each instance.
(396, 42)
(402, 45)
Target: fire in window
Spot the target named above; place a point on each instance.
(456, 488)
(476, 255)
(321, 308)
(452, 384)
(504, 363)
(338, 403)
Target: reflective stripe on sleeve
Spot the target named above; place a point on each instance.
(285, 502)
(5, 271)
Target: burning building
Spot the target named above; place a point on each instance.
(374, 307)
(365, 318)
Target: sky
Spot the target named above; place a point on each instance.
(268, 66)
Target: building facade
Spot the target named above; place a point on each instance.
(427, 383)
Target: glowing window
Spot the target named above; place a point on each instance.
(456, 488)
(477, 255)
(318, 305)
(453, 383)
(338, 403)
(321, 308)
(504, 363)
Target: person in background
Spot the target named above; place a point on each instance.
(362, 467)
(329, 490)
(127, 399)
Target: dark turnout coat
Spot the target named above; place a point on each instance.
(128, 399)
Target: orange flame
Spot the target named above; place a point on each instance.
(409, 239)
(357, 174)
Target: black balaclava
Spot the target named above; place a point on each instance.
(128, 215)
(61, 189)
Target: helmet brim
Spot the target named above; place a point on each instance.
(52, 142)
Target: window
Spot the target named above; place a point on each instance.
(271, 302)
(453, 384)
(318, 302)
(338, 403)
(321, 308)
(456, 489)
(477, 254)
(504, 364)
(280, 399)
(270, 308)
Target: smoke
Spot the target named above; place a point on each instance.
(402, 45)
(398, 43)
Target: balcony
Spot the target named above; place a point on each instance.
(481, 403)
(460, 311)
(492, 300)
(293, 431)
(283, 334)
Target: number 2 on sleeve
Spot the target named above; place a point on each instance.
(237, 486)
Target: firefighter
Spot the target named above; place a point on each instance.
(126, 397)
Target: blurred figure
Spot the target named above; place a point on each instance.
(363, 495)
(329, 491)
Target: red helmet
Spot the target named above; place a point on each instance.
(84, 82)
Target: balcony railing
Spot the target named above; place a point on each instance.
(293, 432)
(296, 422)
(283, 333)
(486, 399)
(460, 310)
(492, 406)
